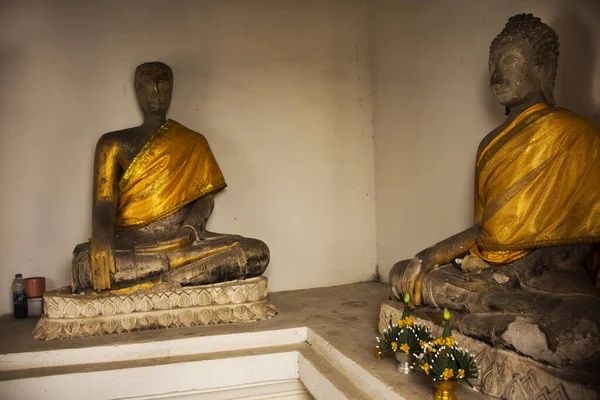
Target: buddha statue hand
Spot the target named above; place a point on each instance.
(184, 237)
(414, 274)
(408, 276)
(102, 263)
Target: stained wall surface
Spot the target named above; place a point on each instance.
(281, 90)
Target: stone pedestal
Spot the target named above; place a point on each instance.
(504, 374)
(68, 315)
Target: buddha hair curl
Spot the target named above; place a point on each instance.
(540, 37)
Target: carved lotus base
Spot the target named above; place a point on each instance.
(68, 315)
(504, 374)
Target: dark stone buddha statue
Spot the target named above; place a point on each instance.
(154, 188)
(524, 276)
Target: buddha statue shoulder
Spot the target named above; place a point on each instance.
(530, 260)
(154, 188)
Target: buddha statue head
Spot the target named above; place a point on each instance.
(523, 61)
(153, 87)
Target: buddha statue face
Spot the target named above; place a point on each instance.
(514, 76)
(523, 60)
(153, 87)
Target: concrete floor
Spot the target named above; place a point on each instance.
(346, 316)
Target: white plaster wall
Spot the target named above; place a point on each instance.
(432, 105)
(281, 89)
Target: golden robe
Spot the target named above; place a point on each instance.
(538, 184)
(175, 167)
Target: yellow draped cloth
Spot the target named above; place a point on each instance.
(538, 184)
(175, 167)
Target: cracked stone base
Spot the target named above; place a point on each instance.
(68, 315)
(504, 374)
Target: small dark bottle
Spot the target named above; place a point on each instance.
(19, 297)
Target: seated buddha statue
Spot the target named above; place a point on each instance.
(154, 188)
(527, 270)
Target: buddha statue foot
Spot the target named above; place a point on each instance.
(507, 374)
(68, 315)
(220, 259)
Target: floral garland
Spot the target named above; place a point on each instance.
(443, 360)
(404, 336)
(439, 358)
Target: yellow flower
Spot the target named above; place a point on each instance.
(400, 323)
(405, 348)
(422, 343)
(394, 346)
(448, 373)
(461, 374)
(450, 341)
(440, 341)
(425, 367)
(409, 320)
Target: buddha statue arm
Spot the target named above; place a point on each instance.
(106, 168)
(434, 256)
(198, 216)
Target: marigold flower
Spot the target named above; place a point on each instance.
(447, 374)
(405, 348)
(422, 343)
(425, 367)
(461, 374)
(400, 323)
(394, 346)
(409, 320)
(440, 341)
(450, 341)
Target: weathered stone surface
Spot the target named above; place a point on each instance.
(504, 374)
(69, 315)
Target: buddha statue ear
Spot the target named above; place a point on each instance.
(548, 76)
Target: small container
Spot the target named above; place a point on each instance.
(19, 297)
(34, 306)
(36, 286)
(444, 390)
(405, 362)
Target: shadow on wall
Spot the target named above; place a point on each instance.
(576, 64)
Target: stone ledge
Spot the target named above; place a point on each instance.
(69, 315)
(504, 374)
